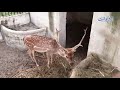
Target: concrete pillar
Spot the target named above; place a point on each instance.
(96, 42)
(62, 24)
(58, 21)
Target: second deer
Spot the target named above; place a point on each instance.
(50, 46)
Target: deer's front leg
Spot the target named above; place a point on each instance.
(33, 54)
(51, 58)
(44, 54)
(48, 59)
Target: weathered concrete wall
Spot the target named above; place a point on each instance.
(96, 42)
(19, 19)
(116, 33)
(60, 25)
(82, 17)
(40, 19)
(15, 38)
(62, 37)
(104, 45)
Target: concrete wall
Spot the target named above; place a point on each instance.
(14, 38)
(96, 40)
(19, 19)
(40, 18)
(82, 17)
(103, 45)
(60, 24)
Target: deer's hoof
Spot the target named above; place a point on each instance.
(48, 66)
(37, 65)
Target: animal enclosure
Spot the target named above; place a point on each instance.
(16, 63)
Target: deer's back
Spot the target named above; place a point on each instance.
(40, 41)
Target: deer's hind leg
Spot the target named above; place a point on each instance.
(48, 59)
(44, 54)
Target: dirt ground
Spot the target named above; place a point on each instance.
(17, 64)
(13, 60)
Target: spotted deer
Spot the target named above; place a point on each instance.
(50, 46)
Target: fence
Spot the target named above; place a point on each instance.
(4, 14)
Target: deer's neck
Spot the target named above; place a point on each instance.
(61, 51)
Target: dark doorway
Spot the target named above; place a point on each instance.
(76, 23)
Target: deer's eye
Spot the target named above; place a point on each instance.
(66, 56)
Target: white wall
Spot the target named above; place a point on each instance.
(14, 39)
(40, 18)
(98, 44)
(62, 37)
(60, 24)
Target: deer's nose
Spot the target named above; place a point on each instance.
(71, 63)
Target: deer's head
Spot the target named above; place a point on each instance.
(68, 54)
